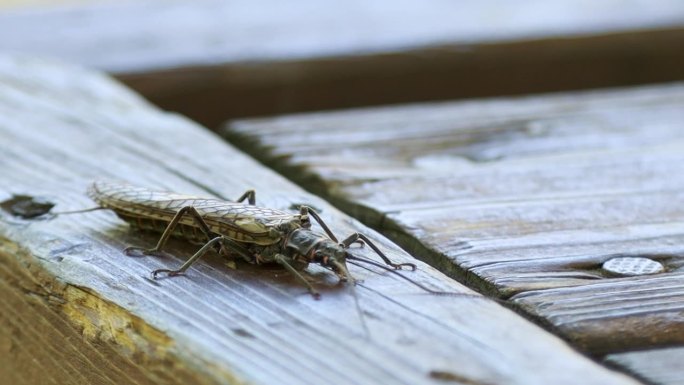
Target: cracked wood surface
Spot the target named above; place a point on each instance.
(78, 310)
(274, 57)
(523, 198)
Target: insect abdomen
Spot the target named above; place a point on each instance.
(182, 231)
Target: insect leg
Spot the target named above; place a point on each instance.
(304, 210)
(356, 236)
(250, 195)
(171, 226)
(229, 243)
(190, 261)
(282, 260)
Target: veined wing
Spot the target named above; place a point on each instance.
(244, 223)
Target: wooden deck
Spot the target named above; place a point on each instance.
(530, 199)
(213, 59)
(76, 310)
(554, 220)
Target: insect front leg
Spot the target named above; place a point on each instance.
(358, 236)
(189, 210)
(306, 210)
(283, 260)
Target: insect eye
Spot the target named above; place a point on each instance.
(320, 257)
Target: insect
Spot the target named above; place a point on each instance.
(236, 229)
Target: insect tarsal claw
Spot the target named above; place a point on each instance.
(132, 251)
(400, 266)
(412, 266)
(169, 273)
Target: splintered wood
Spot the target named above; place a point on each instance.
(570, 205)
(78, 310)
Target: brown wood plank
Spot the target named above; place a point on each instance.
(661, 366)
(78, 310)
(614, 316)
(530, 195)
(214, 59)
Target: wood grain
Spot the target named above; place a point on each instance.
(215, 59)
(613, 316)
(516, 197)
(63, 127)
(658, 366)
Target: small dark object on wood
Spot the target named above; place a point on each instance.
(26, 206)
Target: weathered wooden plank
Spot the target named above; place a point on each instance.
(513, 195)
(614, 316)
(273, 57)
(661, 366)
(41, 346)
(70, 288)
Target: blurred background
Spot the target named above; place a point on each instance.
(216, 60)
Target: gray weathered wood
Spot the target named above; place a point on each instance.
(217, 59)
(661, 366)
(613, 316)
(515, 196)
(185, 34)
(80, 311)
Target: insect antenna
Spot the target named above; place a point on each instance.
(56, 213)
(358, 308)
(353, 259)
(52, 215)
(352, 285)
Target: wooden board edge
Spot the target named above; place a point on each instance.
(94, 335)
